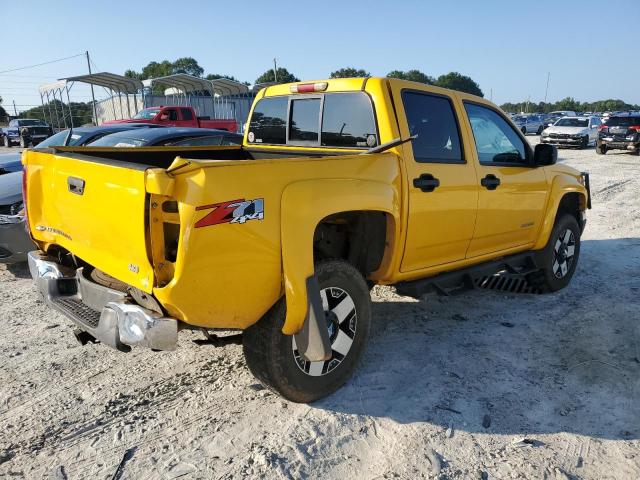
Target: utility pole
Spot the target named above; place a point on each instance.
(15, 111)
(93, 97)
(275, 71)
(546, 90)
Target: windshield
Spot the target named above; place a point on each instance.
(622, 121)
(116, 140)
(26, 123)
(146, 114)
(58, 140)
(573, 122)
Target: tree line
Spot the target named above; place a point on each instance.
(190, 66)
(569, 103)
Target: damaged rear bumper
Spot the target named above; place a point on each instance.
(104, 313)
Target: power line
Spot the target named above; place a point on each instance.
(40, 64)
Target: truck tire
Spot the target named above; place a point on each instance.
(560, 256)
(601, 149)
(273, 358)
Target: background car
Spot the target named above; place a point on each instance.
(572, 132)
(168, 136)
(84, 135)
(620, 132)
(25, 132)
(15, 243)
(530, 124)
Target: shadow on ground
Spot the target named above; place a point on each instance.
(568, 361)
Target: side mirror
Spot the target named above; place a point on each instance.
(545, 154)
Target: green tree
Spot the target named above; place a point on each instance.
(82, 113)
(411, 75)
(213, 76)
(457, 81)
(187, 65)
(349, 72)
(284, 76)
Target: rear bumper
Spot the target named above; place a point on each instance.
(619, 144)
(104, 313)
(564, 142)
(14, 240)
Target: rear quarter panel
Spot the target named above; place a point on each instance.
(227, 275)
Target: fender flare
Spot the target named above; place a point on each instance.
(303, 205)
(562, 185)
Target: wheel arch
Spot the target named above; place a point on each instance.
(309, 211)
(567, 196)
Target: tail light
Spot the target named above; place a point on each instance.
(635, 127)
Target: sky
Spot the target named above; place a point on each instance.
(507, 47)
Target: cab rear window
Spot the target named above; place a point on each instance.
(330, 120)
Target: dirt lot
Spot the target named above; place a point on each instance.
(448, 388)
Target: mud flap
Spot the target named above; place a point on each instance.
(313, 339)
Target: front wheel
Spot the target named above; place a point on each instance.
(601, 149)
(273, 357)
(560, 256)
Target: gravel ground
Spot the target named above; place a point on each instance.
(482, 385)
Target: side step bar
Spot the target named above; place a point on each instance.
(453, 283)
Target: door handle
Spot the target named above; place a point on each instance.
(426, 182)
(490, 182)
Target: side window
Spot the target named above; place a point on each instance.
(269, 121)
(173, 114)
(432, 119)
(186, 114)
(496, 141)
(304, 120)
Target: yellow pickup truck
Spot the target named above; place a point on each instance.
(339, 185)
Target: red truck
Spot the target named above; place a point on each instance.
(178, 117)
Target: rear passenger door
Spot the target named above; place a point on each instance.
(513, 192)
(442, 183)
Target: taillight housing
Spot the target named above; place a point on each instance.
(308, 87)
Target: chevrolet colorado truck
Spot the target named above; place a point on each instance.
(169, 116)
(339, 185)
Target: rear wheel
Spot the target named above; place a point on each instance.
(560, 257)
(274, 358)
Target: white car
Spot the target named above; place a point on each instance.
(572, 132)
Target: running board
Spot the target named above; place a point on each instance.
(506, 274)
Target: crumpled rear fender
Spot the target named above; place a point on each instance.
(304, 205)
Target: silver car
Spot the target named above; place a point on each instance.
(530, 123)
(15, 243)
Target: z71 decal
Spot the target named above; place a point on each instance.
(234, 211)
